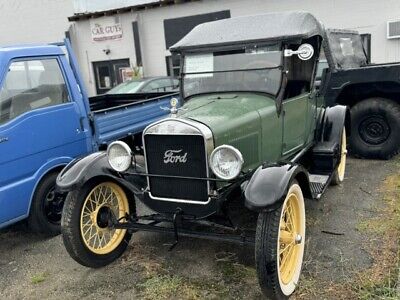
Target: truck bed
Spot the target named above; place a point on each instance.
(117, 116)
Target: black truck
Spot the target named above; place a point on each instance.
(372, 91)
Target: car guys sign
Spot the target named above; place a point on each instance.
(106, 29)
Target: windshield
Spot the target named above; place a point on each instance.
(127, 87)
(253, 70)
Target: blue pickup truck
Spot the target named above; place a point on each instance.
(47, 120)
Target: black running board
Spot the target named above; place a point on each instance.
(318, 184)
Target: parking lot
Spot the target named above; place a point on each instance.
(351, 227)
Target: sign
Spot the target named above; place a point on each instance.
(199, 63)
(126, 74)
(105, 29)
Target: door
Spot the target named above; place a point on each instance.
(295, 118)
(108, 74)
(39, 128)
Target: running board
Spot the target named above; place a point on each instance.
(318, 184)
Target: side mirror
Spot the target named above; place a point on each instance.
(304, 52)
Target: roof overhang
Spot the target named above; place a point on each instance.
(132, 8)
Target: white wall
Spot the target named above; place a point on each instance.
(366, 16)
(33, 21)
(89, 51)
(84, 6)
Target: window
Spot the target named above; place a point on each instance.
(173, 65)
(175, 85)
(158, 86)
(366, 42)
(30, 85)
(254, 69)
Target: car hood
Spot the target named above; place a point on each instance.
(233, 119)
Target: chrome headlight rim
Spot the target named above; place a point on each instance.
(126, 148)
(238, 155)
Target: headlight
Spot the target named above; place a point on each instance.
(226, 162)
(119, 156)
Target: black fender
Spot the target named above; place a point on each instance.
(81, 170)
(326, 152)
(335, 118)
(268, 186)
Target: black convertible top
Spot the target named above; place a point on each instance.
(247, 29)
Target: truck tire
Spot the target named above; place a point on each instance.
(86, 236)
(46, 208)
(338, 175)
(279, 272)
(375, 129)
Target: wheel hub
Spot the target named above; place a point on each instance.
(103, 217)
(374, 130)
(52, 206)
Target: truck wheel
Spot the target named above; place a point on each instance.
(375, 130)
(45, 213)
(84, 224)
(338, 175)
(279, 248)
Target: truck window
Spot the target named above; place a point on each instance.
(30, 85)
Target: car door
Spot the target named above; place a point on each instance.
(39, 127)
(295, 116)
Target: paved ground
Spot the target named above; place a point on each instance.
(32, 267)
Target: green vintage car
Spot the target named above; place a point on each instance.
(251, 129)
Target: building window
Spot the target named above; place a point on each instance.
(366, 42)
(109, 73)
(173, 65)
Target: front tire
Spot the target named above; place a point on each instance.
(279, 248)
(375, 129)
(84, 224)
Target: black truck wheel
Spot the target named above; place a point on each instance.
(46, 208)
(279, 248)
(338, 175)
(375, 130)
(84, 225)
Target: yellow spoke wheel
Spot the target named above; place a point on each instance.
(340, 171)
(103, 200)
(279, 248)
(290, 237)
(343, 155)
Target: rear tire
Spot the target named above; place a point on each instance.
(86, 236)
(279, 247)
(45, 213)
(375, 129)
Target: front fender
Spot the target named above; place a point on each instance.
(268, 186)
(82, 170)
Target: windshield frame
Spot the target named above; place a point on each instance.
(183, 55)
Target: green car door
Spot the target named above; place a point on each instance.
(295, 112)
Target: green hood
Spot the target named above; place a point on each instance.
(234, 120)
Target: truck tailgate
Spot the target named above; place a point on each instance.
(118, 122)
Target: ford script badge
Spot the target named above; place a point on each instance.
(174, 156)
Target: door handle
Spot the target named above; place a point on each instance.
(3, 139)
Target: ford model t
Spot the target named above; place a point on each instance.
(251, 127)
